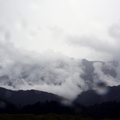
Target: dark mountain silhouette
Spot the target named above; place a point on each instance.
(90, 97)
(86, 98)
(4, 103)
(26, 97)
(88, 103)
(7, 107)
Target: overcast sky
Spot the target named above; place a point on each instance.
(76, 28)
(38, 38)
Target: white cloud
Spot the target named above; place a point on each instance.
(56, 20)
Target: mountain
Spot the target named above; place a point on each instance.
(91, 97)
(26, 97)
(89, 76)
(4, 103)
(86, 98)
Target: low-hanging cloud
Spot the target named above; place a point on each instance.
(100, 76)
(35, 23)
(51, 72)
(55, 72)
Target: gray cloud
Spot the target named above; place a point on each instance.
(54, 72)
(32, 24)
(92, 42)
(109, 46)
(100, 76)
(114, 31)
(51, 72)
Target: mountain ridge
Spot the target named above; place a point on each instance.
(89, 97)
(26, 97)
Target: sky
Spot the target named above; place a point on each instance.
(76, 28)
(48, 38)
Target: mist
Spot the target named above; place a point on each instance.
(51, 72)
(61, 47)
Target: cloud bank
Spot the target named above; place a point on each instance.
(76, 28)
(57, 73)
(51, 72)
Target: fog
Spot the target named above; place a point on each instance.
(43, 44)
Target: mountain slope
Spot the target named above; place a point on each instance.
(26, 97)
(90, 97)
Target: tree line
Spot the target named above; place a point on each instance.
(109, 109)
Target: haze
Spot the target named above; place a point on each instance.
(48, 38)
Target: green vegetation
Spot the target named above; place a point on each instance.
(42, 117)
